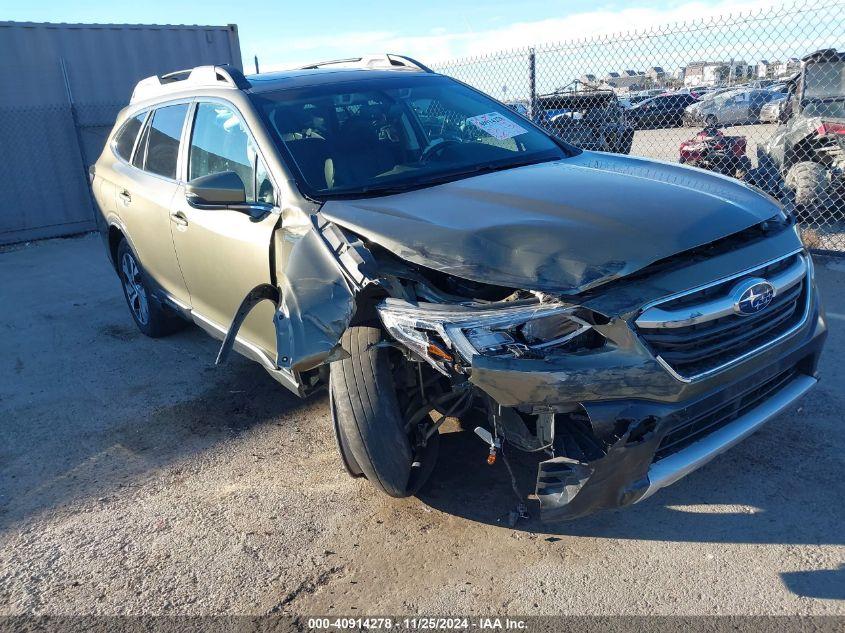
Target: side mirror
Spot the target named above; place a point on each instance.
(216, 191)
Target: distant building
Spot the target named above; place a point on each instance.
(589, 79)
(694, 72)
(790, 67)
(766, 69)
(713, 73)
(656, 74)
(625, 80)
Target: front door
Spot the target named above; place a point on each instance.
(224, 253)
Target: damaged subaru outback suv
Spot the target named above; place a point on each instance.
(427, 253)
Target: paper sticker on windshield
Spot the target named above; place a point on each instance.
(496, 125)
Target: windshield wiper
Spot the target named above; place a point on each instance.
(484, 168)
(475, 170)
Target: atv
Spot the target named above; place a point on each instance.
(805, 158)
(711, 149)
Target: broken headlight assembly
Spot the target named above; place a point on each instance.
(448, 336)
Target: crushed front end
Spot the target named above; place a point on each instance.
(625, 388)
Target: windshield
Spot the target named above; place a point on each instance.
(824, 80)
(721, 99)
(383, 135)
(832, 109)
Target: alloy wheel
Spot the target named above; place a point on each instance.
(136, 294)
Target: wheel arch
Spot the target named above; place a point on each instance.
(115, 235)
(326, 284)
(803, 150)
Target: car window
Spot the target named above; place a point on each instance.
(393, 133)
(163, 140)
(141, 151)
(264, 191)
(221, 143)
(124, 140)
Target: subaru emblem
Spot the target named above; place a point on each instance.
(752, 296)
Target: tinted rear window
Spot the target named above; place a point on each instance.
(125, 139)
(163, 142)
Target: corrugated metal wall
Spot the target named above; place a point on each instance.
(61, 86)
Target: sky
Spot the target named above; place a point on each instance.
(285, 34)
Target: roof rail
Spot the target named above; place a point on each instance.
(385, 61)
(201, 76)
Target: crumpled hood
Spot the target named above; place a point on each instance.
(560, 227)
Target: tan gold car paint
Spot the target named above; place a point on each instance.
(223, 255)
(142, 202)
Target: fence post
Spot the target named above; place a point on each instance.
(532, 84)
(78, 132)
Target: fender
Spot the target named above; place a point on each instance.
(315, 296)
(327, 269)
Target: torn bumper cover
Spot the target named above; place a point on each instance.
(658, 428)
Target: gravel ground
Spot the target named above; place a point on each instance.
(137, 478)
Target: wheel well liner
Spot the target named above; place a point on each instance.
(115, 235)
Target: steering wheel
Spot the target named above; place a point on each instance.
(435, 147)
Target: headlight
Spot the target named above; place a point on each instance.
(437, 332)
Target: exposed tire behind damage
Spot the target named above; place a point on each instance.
(369, 424)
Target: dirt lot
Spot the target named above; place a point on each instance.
(135, 477)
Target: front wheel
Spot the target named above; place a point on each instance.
(370, 426)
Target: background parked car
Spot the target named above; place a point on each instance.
(661, 111)
(731, 108)
(633, 98)
(775, 109)
(518, 107)
(592, 120)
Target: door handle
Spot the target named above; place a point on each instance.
(177, 217)
(125, 196)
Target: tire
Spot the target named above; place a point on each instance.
(710, 120)
(369, 426)
(808, 180)
(149, 315)
(625, 142)
(742, 168)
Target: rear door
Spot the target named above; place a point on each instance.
(737, 110)
(666, 107)
(144, 190)
(223, 253)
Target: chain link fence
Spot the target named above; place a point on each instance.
(756, 96)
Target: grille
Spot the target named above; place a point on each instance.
(711, 343)
(720, 415)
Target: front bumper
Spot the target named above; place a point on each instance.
(633, 405)
(695, 118)
(667, 471)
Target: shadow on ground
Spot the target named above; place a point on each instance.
(77, 463)
(749, 496)
(823, 584)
